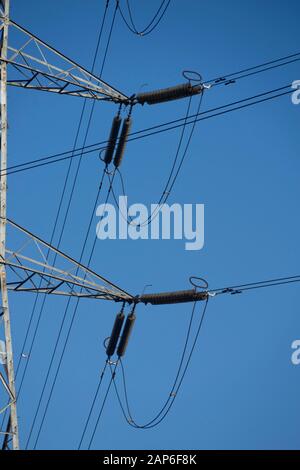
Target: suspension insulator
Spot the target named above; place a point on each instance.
(114, 132)
(122, 142)
(169, 94)
(114, 337)
(126, 334)
(181, 296)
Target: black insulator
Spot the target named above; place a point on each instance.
(173, 297)
(114, 337)
(122, 142)
(169, 94)
(114, 132)
(126, 334)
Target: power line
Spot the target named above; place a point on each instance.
(61, 325)
(90, 259)
(70, 327)
(168, 189)
(69, 204)
(170, 182)
(62, 154)
(265, 66)
(254, 73)
(129, 220)
(166, 408)
(196, 120)
(219, 80)
(157, 129)
(71, 323)
(221, 113)
(172, 388)
(67, 176)
(148, 29)
(217, 292)
(102, 406)
(63, 195)
(237, 289)
(92, 405)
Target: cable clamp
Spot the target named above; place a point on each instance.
(112, 363)
(109, 172)
(235, 292)
(230, 82)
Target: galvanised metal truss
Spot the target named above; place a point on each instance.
(8, 434)
(10, 395)
(29, 270)
(5, 404)
(36, 65)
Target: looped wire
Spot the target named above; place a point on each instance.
(192, 76)
(194, 281)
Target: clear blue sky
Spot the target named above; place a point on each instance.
(241, 390)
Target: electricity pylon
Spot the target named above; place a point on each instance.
(38, 66)
(8, 362)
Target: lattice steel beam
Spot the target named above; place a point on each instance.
(38, 66)
(12, 426)
(30, 271)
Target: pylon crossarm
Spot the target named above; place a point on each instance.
(37, 65)
(30, 270)
(53, 283)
